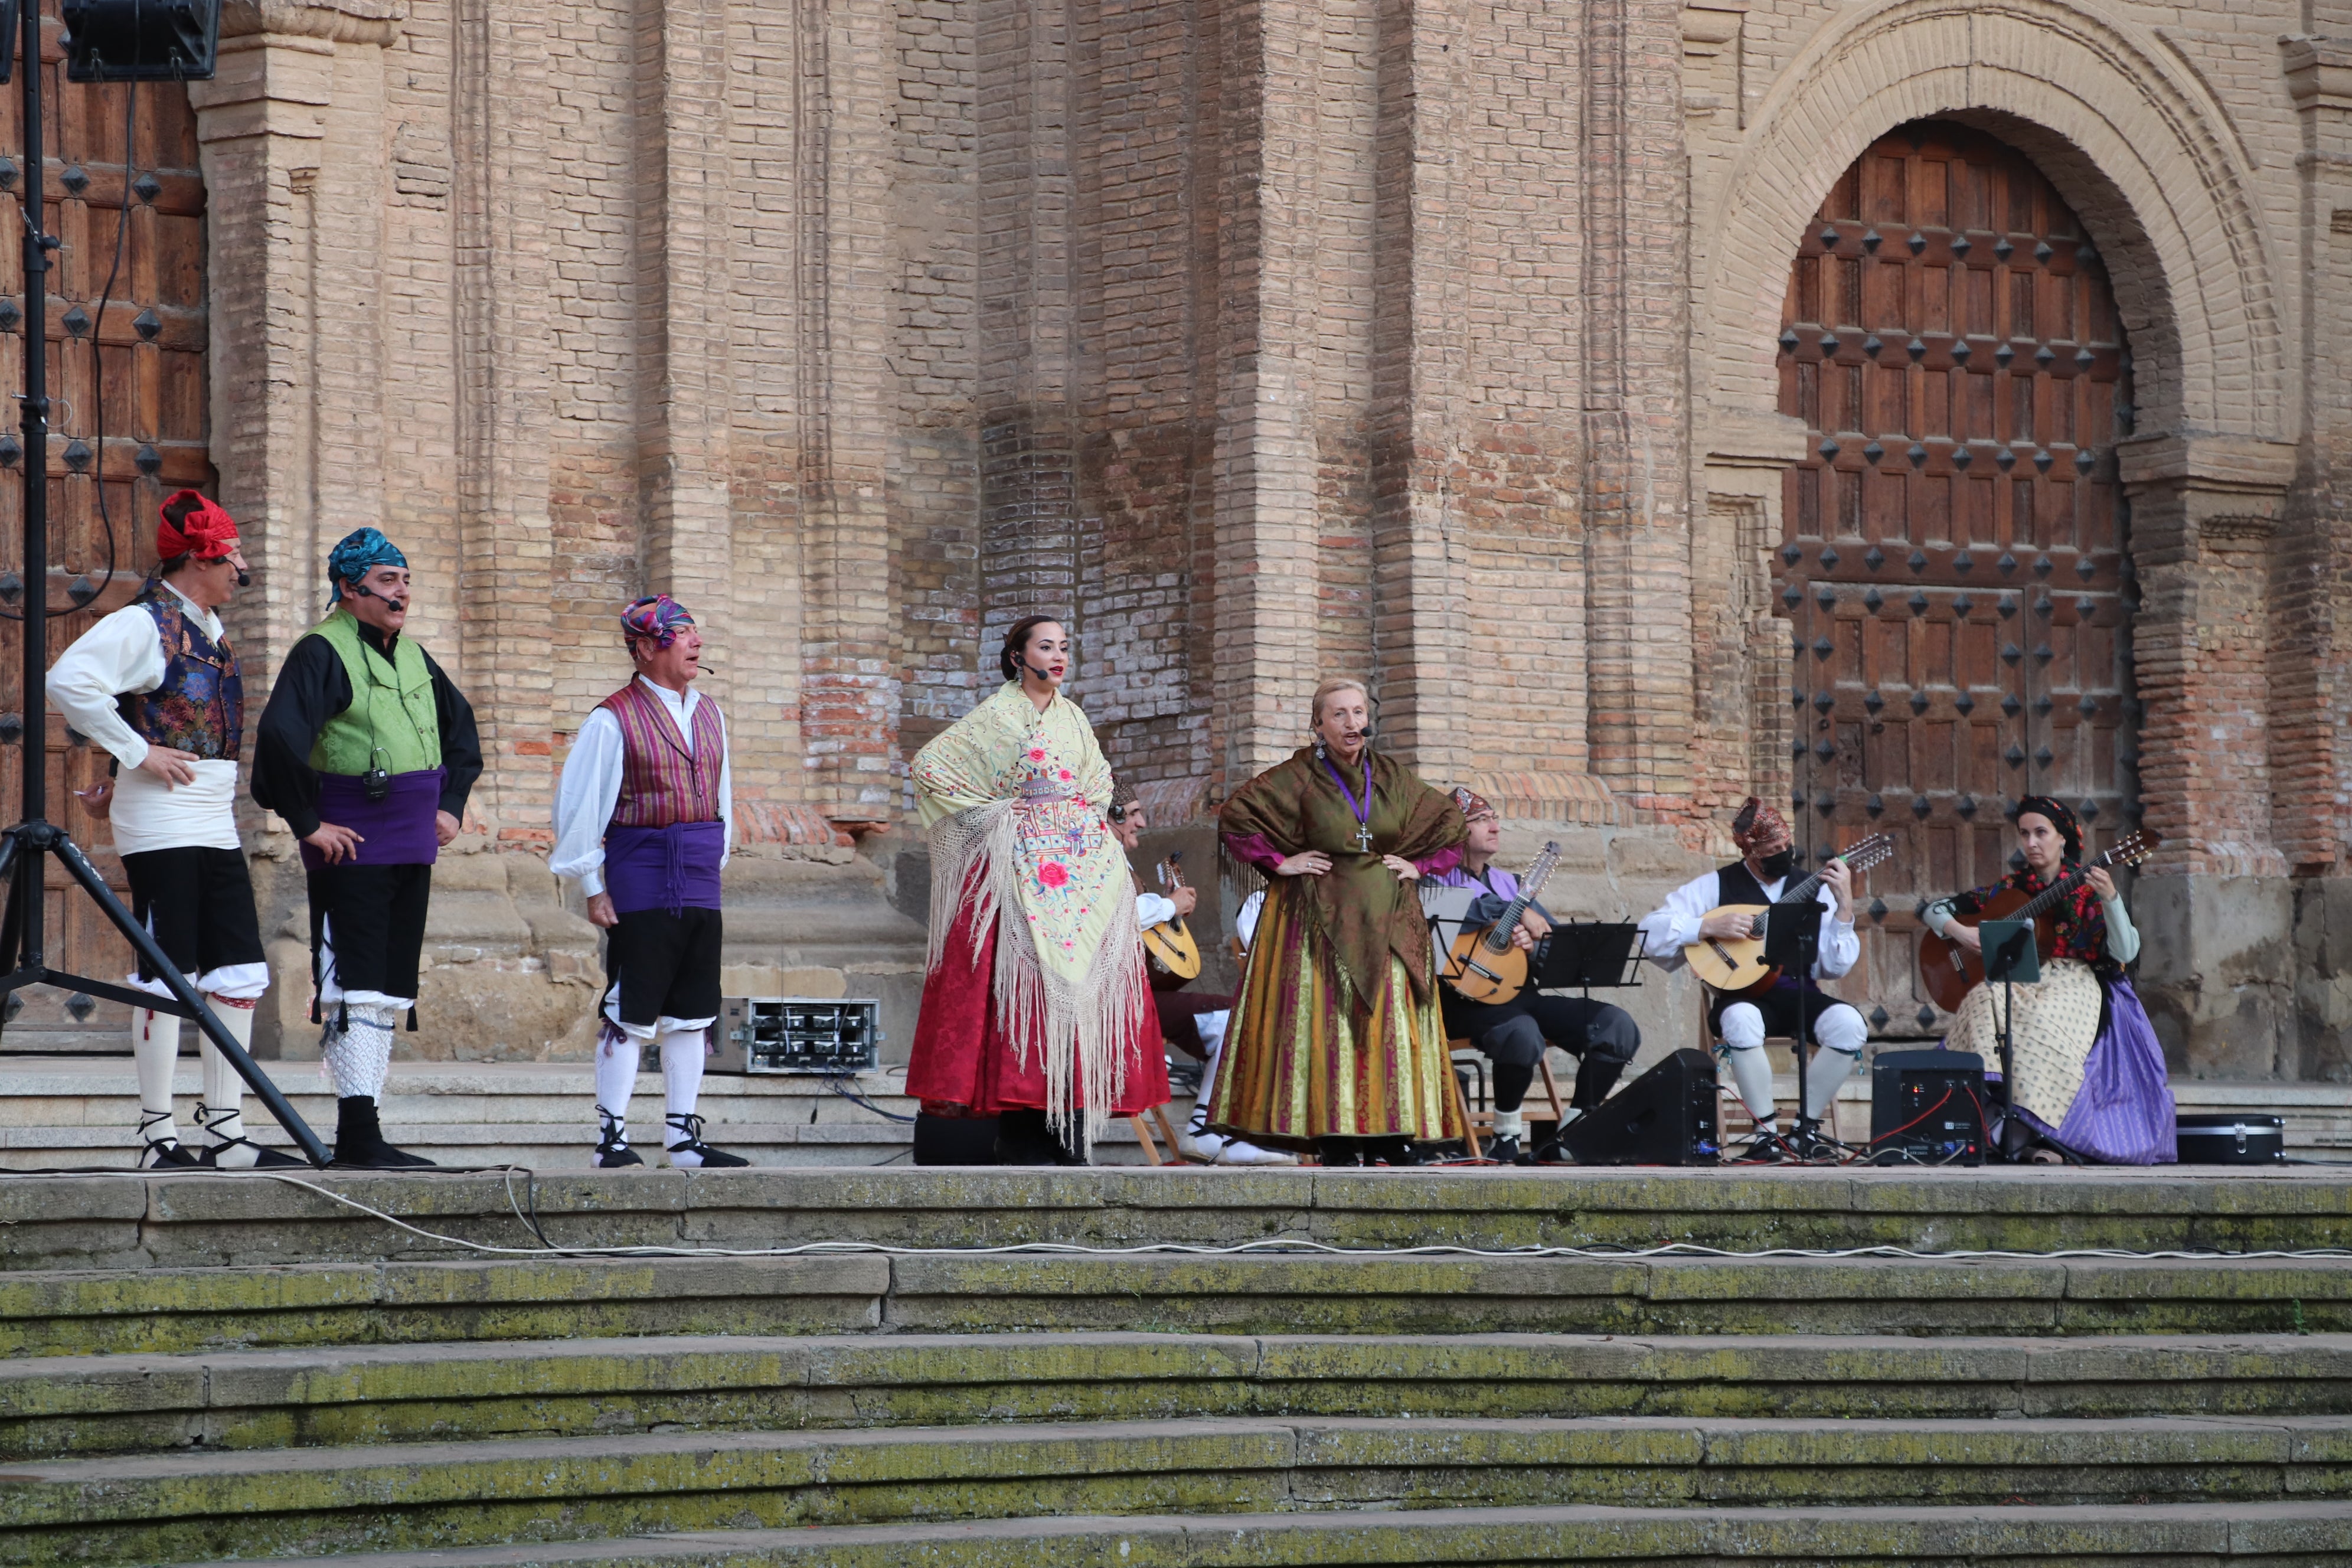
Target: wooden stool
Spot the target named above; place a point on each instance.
(1158, 1113)
(1473, 1119)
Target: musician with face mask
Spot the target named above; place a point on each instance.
(1759, 876)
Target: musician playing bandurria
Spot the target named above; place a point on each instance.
(1513, 1034)
(1336, 1043)
(1767, 861)
(1035, 1009)
(2090, 1073)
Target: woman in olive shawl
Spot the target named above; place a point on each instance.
(1336, 1043)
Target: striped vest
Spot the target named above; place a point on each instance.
(660, 783)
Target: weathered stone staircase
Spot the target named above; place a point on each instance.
(208, 1367)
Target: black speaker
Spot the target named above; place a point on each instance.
(141, 40)
(1927, 1107)
(954, 1140)
(1666, 1117)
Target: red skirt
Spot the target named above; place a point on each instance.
(963, 1060)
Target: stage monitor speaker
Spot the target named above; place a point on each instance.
(141, 40)
(954, 1140)
(1927, 1108)
(1666, 1117)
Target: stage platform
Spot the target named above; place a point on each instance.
(1210, 1367)
(69, 1112)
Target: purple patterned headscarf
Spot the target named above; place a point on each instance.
(657, 618)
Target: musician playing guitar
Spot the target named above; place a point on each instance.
(1513, 1035)
(1741, 1022)
(2090, 1072)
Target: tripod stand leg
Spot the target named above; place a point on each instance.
(80, 868)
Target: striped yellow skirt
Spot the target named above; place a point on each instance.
(1301, 1061)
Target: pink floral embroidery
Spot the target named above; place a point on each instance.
(1066, 772)
(1037, 754)
(1054, 874)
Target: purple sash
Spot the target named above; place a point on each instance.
(397, 830)
(674, 868)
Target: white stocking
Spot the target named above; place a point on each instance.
(616, 1080)
(222, 1108)
(682, 1052)
(359, 1056)
(154, 1047)
(1212, 1034)
(1751, 1069)
(1842, 1034)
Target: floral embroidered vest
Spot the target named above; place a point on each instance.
(200, 705)
(660, 783)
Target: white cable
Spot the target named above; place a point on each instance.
(1074, 1250)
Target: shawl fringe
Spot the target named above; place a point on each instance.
(1081, 1025)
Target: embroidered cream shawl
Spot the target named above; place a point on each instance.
(1069, 969)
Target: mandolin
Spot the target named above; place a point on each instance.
(1482, 965)
(1175, 955)
(1949, 970)
(1736, 965)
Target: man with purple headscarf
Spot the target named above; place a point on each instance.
(644, 817)
(368, 752)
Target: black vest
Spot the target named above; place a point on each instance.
(1735, 885)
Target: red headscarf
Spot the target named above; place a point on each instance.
(1757, 823)
(191, 524)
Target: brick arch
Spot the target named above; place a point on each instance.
(2139, 148)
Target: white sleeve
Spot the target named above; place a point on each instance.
(726, 791)
(1841, 948)
(2122, 937)
(1246, 921)
(1151, 910)
(122, 653)
(584, 798)
(1674, 925)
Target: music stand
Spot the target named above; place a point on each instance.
(2011, 958)
(1792, 940)
(1582, 955)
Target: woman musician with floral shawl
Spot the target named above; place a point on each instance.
(1036, 1010)
(1336, 1043)
(2090, 1071)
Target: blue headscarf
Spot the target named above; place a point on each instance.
(361, 551)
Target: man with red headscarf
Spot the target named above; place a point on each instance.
(156, 684)
(643, 815)
(1762, 874)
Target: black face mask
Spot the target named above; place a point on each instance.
(1778, 864)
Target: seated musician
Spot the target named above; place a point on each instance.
(1191, 1021)
(1513, 1034)
(1741, 1023)
(2090, 1073)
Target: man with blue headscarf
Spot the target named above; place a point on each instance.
(368, 752)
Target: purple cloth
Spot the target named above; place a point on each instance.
(1254, 850)
(674, 868)
(2124, 1113)
(1499, 882)
(397, 830)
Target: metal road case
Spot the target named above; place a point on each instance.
(795, 1035)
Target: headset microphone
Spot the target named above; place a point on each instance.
(243, 578)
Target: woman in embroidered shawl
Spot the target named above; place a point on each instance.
(2090, 1073)
(1336, 1042)
(1036, 1010)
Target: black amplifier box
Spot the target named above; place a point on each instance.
(1927, 1108)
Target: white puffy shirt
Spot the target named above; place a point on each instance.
(1673, 926)
(590, 787)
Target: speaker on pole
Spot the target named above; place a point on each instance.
(141, 40)
(1666, 1117)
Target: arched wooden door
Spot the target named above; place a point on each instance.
(148, 355)
(1952, 565)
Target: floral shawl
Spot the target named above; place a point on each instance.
(2079, 919)
(1360, 907)
(1013, 800)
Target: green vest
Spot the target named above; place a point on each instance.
(391, 709)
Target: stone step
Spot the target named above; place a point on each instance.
(458, 1495)
(148, 1220)
(79, 1406)
(172, 1310)
(2161, 1535)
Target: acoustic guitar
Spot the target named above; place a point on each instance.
(1170, 946)
(1735, 966)
(1949, 970)
(1482, 965)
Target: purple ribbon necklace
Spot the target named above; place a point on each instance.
(1362, 813)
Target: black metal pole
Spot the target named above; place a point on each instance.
(33, 806)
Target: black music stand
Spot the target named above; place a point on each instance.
(2011, 958)
(1582, 955)
(1792, 942)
